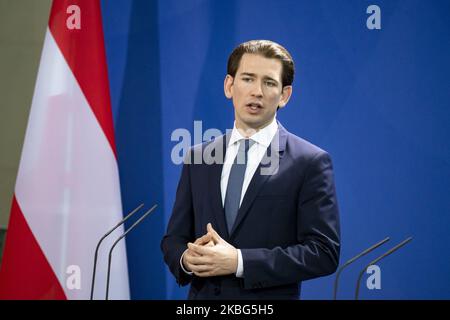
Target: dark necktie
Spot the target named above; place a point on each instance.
(235, 182)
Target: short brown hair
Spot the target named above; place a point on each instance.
(267, 49)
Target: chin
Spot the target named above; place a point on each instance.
(254, 123)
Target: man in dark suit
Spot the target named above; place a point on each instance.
(255, 211)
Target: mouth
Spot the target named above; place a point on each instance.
(253, 107)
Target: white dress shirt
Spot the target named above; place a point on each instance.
(262, 140)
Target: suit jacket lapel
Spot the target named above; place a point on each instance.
(269, 165)
(215, 174)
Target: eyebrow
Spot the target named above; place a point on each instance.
(254, 75)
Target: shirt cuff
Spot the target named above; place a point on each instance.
(181, 264)
(240, 266)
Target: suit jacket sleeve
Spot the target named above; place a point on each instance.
(318, 235)
(180, 229)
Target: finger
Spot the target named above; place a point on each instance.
(214, 234)
(200, 260)
(187, 265)
(206, 240)
(204, 274)
(200, 240)
(199, 249)
(187, 258)
(200, 268)
(203, 239)
(191, 253)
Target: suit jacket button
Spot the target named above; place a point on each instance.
(216, 291)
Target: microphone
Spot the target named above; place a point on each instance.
(336, 281)
(120, 238)
(103, 238)
(401, 244)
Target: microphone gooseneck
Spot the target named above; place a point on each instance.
(103, 238)
(401, 244)
(368, 250)
(117, 241)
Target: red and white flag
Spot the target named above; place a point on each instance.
(67, 192)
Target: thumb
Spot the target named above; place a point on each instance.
(215, 236)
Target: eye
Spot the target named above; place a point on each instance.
(247, 79)
(271, 84)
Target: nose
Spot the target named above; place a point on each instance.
(256, 90)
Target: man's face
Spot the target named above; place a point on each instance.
(256, 91)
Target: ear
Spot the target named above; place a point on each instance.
(285, 96)
(228, 86)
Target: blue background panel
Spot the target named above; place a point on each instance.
(377, 100)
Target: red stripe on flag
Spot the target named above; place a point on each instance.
(25, 272)
(84, 51)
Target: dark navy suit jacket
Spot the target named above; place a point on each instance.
(287, 226)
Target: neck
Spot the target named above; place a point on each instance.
(248, 131)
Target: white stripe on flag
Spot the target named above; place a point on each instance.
(68, 182)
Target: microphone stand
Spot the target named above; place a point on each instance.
(103, 238)
(336, 281)
(120, 238)
(401, 244)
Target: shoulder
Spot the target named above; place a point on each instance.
(308, 157)
(305, 155)
(299, 148)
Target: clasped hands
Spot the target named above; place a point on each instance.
(210, 255)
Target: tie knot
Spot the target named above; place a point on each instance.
(245, 145)
(242, 155)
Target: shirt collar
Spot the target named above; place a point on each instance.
(263, 137)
